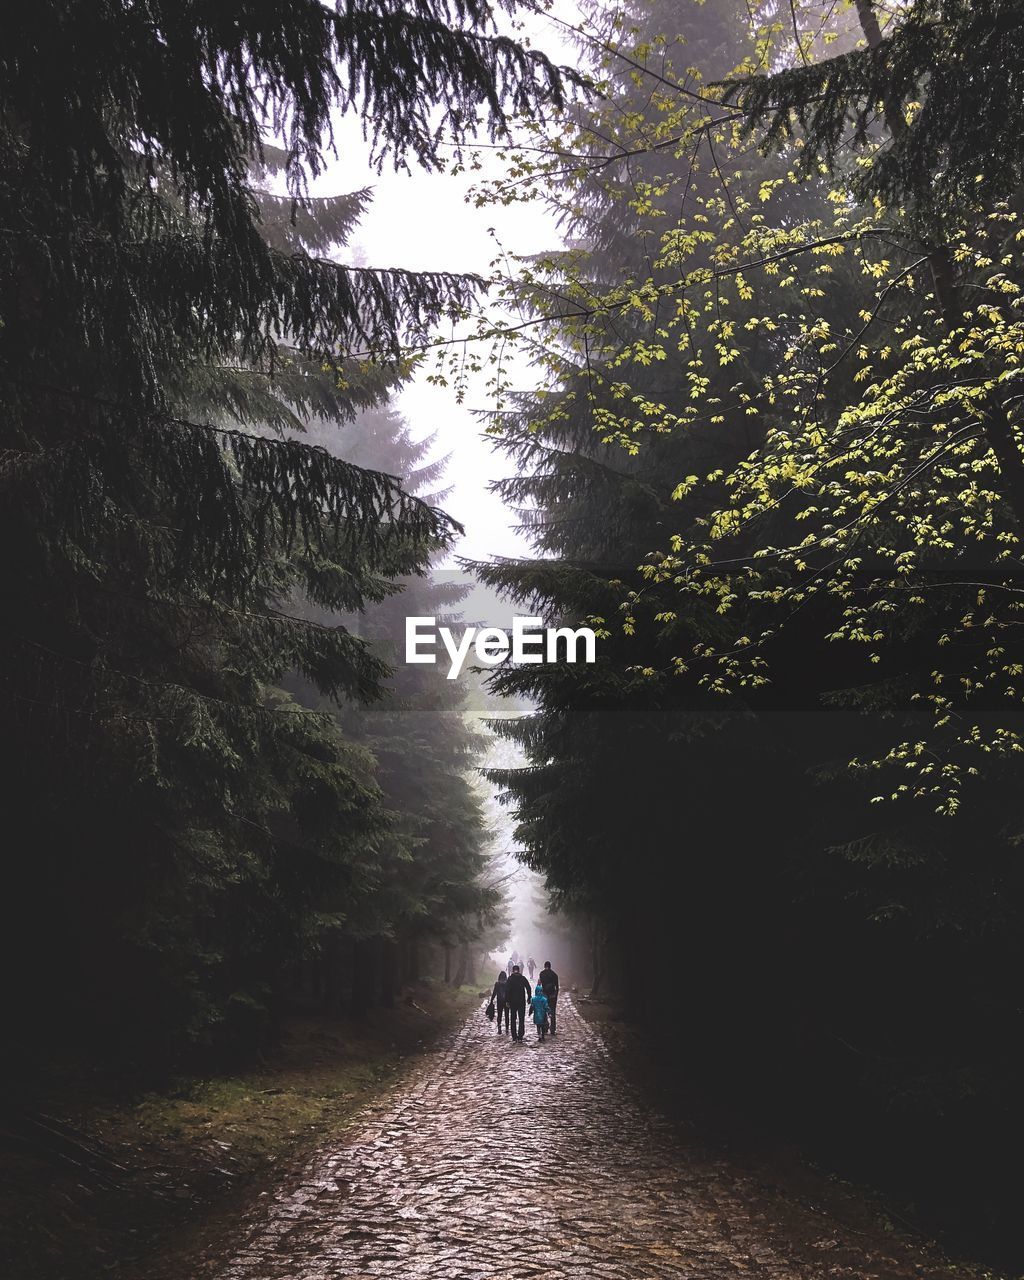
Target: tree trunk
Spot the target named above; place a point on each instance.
(363, 978)
(388, 967)
(460, 972)
(447, 963)
(869, 23)
(412, 960)
(332, 971)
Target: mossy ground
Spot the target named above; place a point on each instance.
(108, 1184)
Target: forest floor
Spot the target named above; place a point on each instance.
(551, 1161)
(793, 1185)
(96, 1186)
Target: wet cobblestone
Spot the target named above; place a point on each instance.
(496, 1161)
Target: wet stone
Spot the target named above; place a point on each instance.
(495, 1161)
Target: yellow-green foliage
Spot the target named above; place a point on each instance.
(870, 348)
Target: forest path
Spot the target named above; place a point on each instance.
(494, 1161)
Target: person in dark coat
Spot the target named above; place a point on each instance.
(517, 993)
(548, 979)
(499, 1000)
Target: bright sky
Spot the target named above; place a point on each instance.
(444, 233)
(421, 222)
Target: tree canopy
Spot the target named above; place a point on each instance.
(175, 307)
(775, 459)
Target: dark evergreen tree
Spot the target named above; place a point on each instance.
(438, 890)
(164, 318)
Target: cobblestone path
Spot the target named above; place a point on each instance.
(495, 1161)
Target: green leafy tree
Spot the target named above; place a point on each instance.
(761, 464)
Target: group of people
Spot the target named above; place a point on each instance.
(515, 959)
(514, 992)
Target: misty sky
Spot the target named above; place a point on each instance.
(422, 222)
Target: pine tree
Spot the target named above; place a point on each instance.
(165, 319)
(438, 891)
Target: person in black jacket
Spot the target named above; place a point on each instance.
(499, 1000)
(548, 979)
(517, 992)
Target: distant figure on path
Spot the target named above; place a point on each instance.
(540, 1012)
(531, 964)
(517, 992)
(500, 1000)
(549, 983)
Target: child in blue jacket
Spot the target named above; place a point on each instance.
(539, 1006)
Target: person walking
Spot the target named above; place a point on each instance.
(531, 965)
(548, 983)
(540, 1012)
(500, 1000)
(517, 992)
